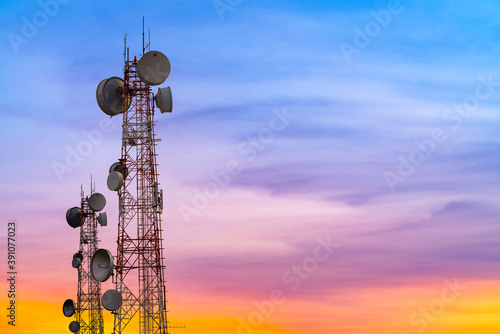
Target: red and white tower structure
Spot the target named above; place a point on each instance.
(88, 309)
(140, 293)
(139, 253)
(88, 306)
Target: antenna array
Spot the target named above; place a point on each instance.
(138, 269)
(87, 309)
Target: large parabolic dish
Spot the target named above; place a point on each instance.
(96, 202)
(111, 97)
(74, 217)
(69, 307)
(153, 68)
(101, 265)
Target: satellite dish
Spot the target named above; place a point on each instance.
(101, 265)
(74, 217)
(163, 100)
(117, 167)
(97, 202)
(112, 300)
(153, 68)
(69, 307)
(74, 326)
(102, 219)
(77, 260)
(115, 181)
(110, 96)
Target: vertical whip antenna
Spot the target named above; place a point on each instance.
(125, 48)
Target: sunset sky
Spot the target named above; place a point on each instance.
(328, 167)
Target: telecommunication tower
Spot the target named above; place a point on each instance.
(87, 309)
(139, 269)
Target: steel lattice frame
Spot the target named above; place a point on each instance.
(88, 307)
(139, 262)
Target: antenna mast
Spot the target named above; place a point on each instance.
(139, 258)
(140, 292)
(87, 309)
(125, 48)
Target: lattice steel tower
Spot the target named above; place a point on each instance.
(139, 263)
(139, 226)
(88, 304)
(87, 309)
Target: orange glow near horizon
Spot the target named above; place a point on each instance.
(380, 310)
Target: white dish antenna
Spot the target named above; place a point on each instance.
(115, 181)
(69, 307)
(74, 326)
(117, 167)
(102, 219)
(112, 300)
(74, 217)
(97, 202)
(153, 68)
(101, 265)
(111, 97)
(163, 100)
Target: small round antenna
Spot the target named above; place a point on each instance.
(153, 68)
(74, 217)
(102, 219)
(77, 260)
(115, 181)
(97, 202)
(118, 167)
(101, 265)
(69, 307)
(163, 100)
(74, 326)
(112, 300)
(110, 96)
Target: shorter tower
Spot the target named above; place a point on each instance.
(87, 309)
